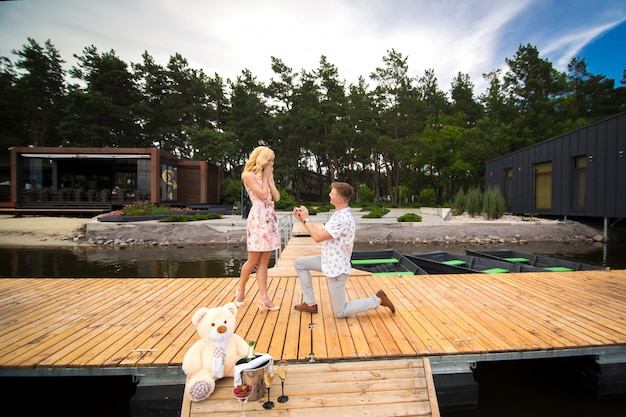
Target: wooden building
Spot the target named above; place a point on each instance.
(57, 178)
(578, 174)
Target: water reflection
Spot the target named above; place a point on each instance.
(226, 261)
(98, 262)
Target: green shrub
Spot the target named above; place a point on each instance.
(287, 200)
(376, 213)
(427, 197)
(493, 203)
(458, 206)
(474, 201)
(145, 209)
(405, 192)
(410, 217)
(365, 194)
(231, 190)
(179, 218)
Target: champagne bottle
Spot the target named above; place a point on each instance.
(251, 355)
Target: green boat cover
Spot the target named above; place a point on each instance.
(518, 260)
(558, 269)
(374, 261)
(495, 271)
(392, 274)
(454, 262)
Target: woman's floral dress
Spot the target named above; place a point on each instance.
(262, 224)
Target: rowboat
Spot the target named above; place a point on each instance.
(441, 262)
(384, 262)
(546, 263)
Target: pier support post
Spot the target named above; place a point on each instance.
(608, 376)
(604, 374)
(312, 356)
(454, 382)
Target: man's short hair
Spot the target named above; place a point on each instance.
(343, 189)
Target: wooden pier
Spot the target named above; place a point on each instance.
(443, 324)
(400, 387)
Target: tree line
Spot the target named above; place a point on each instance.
(389, 134)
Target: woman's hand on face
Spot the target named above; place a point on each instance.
(268, 170)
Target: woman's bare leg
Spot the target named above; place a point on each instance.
(261, 277)
(244, 275)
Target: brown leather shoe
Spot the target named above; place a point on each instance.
(384, 301)
(305, 308)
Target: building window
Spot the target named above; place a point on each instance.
(144, 186)
(543, 185)
(508, 187)
(579, 181)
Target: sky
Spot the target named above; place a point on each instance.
(225, 37)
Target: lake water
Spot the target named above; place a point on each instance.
(519, 388)
(112, 262)
(84, 261)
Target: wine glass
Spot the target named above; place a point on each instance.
(241, 393)
(282, 373)
(268, 377)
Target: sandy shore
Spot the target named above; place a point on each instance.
(65, 231)
(39, 231)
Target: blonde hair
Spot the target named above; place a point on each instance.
(260, 156)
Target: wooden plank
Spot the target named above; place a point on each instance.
(107, 325)
(212, 295)
(514, 315)
(19, 299)
(59, 325)
(174, 343)
(299, 246)
(318, 321)
(154, 346)
(549, 313)
(408, 329)
(380, 341)
(442, 317)
(593, 310)
(383, 387)
(430, 337)
(387, 324)
(98, 323)
(82, 353)
(474, 332)
(432, 392)
(489, 310)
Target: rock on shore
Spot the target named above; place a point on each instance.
(476, 233)
(31, 231)
(479, 233)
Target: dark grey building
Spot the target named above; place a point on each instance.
(578, 174)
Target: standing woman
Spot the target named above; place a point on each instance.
(262, 224)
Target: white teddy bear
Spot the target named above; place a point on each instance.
(216, 353)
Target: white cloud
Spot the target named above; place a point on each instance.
(569, 45)
(449, 36)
